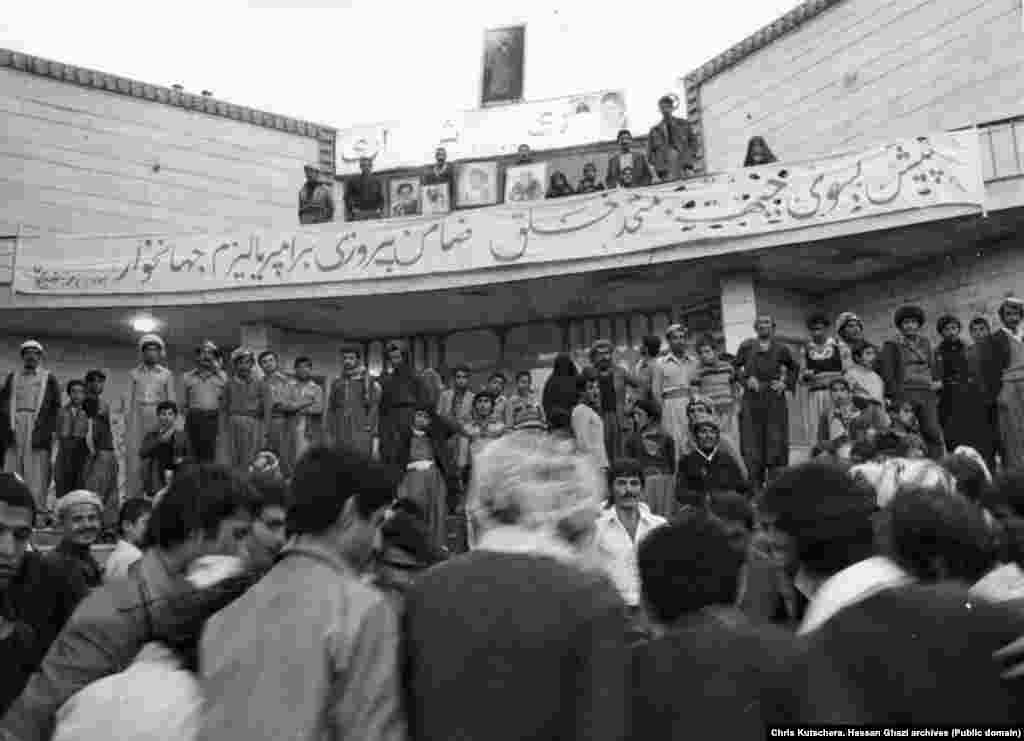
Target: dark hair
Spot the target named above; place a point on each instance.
(733, 507)
(980, 321)
(462, 368)
(971, 480)
(705, 340)
(95, 375)
(818, 318)
(827, 512)
(524, 374)
(622, 133)
(587, 376)
(559, 419)
(132, 510)
(666, 99)
(648, 407)
(497, 374)
(199, 499)
(72, 383)
(687, 565)
(564, 366)
(936, 536)
(267, 491)
(483, 395)
(748, 161)
(265, 353)
(326, 478)
(891, 444)
(166, 405)
(625, 468)
(651, 345)
(858, 348)
(14, 493)
(303, 360)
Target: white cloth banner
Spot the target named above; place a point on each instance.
(922, 173)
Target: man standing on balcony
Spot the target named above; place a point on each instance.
(316, 204)
(441, 173)
(767, 370)
(627, 158)
(204, 390)
(29, 404)
(151, 383)
(364, 195)
(671, 144)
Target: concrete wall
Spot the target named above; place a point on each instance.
(869, 71)
(966, 285)
(82, 160)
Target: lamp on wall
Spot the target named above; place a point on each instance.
(144, 324)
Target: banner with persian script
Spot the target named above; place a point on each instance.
(922, 173)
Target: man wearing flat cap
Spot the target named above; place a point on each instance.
(29, 405)
(352, 404)
(316, 204)
(1003, 370)
(151, 383)
(910, 372)
(204, 394)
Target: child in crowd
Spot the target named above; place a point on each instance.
(496, 386)
(523, 411)
(482, 428)
(74, 441)
(716, 381)
(430, 478)
(132, 521)
(162, 449)
(867, 386)
(655, 450)
(706, 470)
(905, 425)
(847, 419)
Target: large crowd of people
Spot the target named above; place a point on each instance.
(643, 559)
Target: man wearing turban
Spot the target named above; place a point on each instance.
(151, 383)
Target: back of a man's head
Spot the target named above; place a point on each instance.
(827, 512)
(937, 535)
(688, 565)
(325, 479)
(267, 491)
(199, 499)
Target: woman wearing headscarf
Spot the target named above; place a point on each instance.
(151, 383)
(560, 389)
(849, 334)
(559, 186)
(821, 363)
(758, 153)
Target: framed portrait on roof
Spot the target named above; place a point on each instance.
(503, 65)
(526, 183)
(477, 184)
(404, 196)
(436, 199)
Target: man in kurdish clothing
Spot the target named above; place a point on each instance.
(767, 370)
(204, 392)
(364, 195)
(353, 404)
(282, 414)
(911, 373)
(671, 143)
(80, 516)
(671, 384)
(151, 383)
(247, 404)
(402, 391)
(29, 405)
(102, 469)
(316, 204)
(1003, 370)
(613, 380)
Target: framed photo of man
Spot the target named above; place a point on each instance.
(503, 66)
(404, 196)
(477, 184)
(338, 192)
(526, 183)
(436, 199)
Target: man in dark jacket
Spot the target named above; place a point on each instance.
(705, 469)
(672, 144)
(80, 514)
(712, 672)
(36, 599)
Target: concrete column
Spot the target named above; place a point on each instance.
(739, 308)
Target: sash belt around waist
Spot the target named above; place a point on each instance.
(419, 465)
(249, 415)
(675, 393)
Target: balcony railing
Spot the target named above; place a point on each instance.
(1001, 155)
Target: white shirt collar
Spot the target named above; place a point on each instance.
(849, 587)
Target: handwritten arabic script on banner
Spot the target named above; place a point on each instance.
(941, 170)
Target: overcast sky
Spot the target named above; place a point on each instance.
(346, 62)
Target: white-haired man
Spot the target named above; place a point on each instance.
(80, 514)
(549, 629)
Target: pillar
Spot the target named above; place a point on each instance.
(739, 308)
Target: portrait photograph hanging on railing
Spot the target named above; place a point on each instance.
(526, 183)
(404, 196)
(436, 199)
(504, 62)
(477, 184)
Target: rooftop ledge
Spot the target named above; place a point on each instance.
(923, 179)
